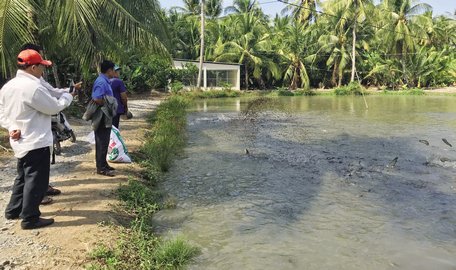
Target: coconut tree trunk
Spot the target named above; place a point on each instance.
(333, 77)
(200, 71)
(352, 78)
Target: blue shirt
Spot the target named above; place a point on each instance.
(101, 87)
(118, 87)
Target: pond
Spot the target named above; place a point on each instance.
(323, 183)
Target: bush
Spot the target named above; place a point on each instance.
(353, 88)
(176, 87)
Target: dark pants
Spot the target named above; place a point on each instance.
(116, 120)
(102, 136)
(30, 185)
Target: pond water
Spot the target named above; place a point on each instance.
(326, 184)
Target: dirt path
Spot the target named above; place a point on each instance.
(85, 202)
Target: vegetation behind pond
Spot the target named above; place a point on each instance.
(393, 43)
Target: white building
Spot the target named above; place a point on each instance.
(215, 75)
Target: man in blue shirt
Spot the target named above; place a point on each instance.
(120, 93)
(102, 88)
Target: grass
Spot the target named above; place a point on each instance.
(199, 94)
(407, 92)
(4, 138)
(138, 247)
(350, 89)
(167, 137)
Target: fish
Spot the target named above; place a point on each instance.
(424, 141)
(392, 163)
(446, 142)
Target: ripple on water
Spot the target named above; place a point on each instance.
(315, 191)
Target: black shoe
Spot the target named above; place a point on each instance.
(11, 217)
(53, 191)
(42, 222)
(110, 168)
(106, 173)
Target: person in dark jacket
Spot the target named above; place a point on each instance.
(120, 93)
(101, 89)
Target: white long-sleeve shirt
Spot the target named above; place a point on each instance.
(55, 92)
(25, 104)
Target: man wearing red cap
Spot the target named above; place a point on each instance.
(25, 110)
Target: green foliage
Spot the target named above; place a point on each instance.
(199, 94)
(146, 73)
(305, 92)
(167, 136)
(353, 88)
(137, 196)
(4, 137)
(174, 254)
(176, 87)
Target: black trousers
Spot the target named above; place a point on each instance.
(116, 120)
(30, 185)
(102, 136)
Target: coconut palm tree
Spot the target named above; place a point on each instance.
(397, 30)
(304, 11)
(91, 28)
(191, 7)
(249, 47)
(294, 54)
(214, 8)
(242, 6)
(353, 12)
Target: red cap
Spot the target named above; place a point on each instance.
(32, 57)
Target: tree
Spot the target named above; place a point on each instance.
(397, 30)
(214, 8)
(294, 53)
(304, 11)
(93, 29)
(352, 11)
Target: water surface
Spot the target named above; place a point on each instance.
(319, 188)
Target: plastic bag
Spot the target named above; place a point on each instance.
(117, 150)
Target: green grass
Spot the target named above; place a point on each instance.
(4, 137)
(138, 247)
(199, 94)
(407, 92)
(167, 137)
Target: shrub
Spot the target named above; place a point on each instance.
(176, 87)
(353, 88)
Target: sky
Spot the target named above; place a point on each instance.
(439, 6)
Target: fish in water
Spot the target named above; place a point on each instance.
(247, 151)
(424, 141)
(392, 163)
(446, 142)
(444, 159)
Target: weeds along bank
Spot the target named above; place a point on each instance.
(350, 89)
(137, 246)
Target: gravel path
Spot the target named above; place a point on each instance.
(65, 244)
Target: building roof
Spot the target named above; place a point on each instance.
(207, 62)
